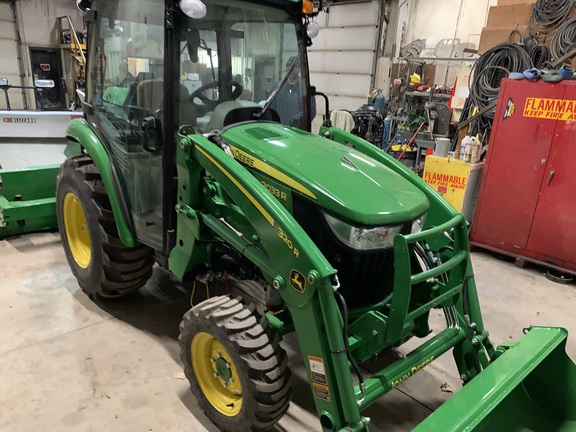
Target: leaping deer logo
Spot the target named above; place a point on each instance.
(297, 281)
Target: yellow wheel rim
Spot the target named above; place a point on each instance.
(216, 374)
(76, 227)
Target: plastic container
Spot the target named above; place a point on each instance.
(470, 150)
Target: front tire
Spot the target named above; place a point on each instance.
(236, 368)
(103, 266)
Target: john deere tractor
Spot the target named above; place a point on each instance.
(195, 153)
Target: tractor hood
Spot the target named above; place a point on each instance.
(339, 178)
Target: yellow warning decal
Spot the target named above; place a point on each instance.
(251, 161)
(321, 392)
(554, 109)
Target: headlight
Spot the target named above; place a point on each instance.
(363, 238)
(418, 224)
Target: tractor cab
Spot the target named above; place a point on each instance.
(158, 66)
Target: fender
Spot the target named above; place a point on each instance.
(80, 131)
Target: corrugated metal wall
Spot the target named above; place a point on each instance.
(9, 67)
(342, 56)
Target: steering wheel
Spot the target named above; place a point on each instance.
(209, 104)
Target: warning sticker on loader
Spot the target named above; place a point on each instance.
(553, 109)
(317, 370)
(321, 392)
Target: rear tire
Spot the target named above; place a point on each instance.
(103, 266)
(236, 367)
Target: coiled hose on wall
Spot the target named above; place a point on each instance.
(488, 71)
(540, 55)
(548, 15)
(564, 39)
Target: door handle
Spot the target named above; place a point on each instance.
(550, 177)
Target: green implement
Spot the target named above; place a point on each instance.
(530, 387)
(27, 200)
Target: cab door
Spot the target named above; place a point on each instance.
(126, 92)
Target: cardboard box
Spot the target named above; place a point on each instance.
(490, 38)
(505, 17)
(514, 2)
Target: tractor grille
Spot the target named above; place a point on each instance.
(366, 277)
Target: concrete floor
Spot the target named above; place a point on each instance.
(69, 364)
(27, 154)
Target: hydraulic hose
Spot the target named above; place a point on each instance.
(344, 308)
(494, 65)
(564, 40)
(548, 15)
(540, 55)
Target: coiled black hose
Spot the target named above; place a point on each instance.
(548, 15)
(488, 71)
(564, 39)
(540, 55)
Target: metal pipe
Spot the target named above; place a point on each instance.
(442, 268)
(377, 42)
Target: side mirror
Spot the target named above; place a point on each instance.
(3, 81)
(151, 135)
(193, 42)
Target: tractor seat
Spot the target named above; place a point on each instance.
(150, 95)
(221, 112)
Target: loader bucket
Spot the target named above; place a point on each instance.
(530, 387)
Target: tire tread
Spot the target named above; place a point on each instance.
(262, 358)
(123, 269)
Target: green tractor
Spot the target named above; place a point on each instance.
(195, 153)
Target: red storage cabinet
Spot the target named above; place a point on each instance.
(526, 206)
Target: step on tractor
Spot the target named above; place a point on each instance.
(195, 154)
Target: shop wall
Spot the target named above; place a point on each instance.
(37, 24)
(432, 20)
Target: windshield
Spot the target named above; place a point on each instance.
(232, 60)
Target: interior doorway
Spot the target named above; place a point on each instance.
(46, 66)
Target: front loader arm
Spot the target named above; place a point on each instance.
(290, 262)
